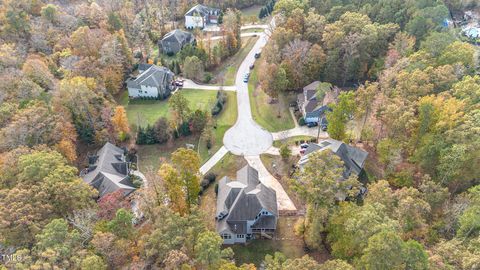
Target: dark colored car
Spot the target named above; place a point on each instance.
(257, 55)
(251, 66)
(179, 83)
(312, 124)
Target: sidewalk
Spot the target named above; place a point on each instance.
(213, 160)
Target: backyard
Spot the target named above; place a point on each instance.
(144, 112)
(273, 117)
(285, 241)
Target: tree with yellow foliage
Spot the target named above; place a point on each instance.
(120, 122)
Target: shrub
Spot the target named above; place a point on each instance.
(207, 77)
(204, 183)
(285, 152)
(301, 121)
(210, 177)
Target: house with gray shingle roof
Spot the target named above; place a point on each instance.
(174, 41)
(153, 82)
(199, 16)
(352, 157)
(311, 108)
(108, 171)
(246, 208)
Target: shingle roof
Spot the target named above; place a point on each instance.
(313, 86)
(182, 37)
(200, 9)
(154, 76)
(109, 171)
(352, 157)
(242, 200)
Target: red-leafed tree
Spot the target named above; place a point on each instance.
(110, 203)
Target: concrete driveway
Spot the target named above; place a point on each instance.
(189, 84)
(299, 131)
(246, 137)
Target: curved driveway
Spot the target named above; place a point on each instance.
(246, 137)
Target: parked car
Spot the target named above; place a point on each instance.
(251, 66)
(312, 124)
(257, 55)
(293, 104)
(245, 78)
(304, 145)
(179, 83)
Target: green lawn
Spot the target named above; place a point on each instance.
(227, 70)
(224, 121)
(250, 14)
(273, 117)
(143, 112)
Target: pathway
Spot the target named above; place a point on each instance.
(213, 160)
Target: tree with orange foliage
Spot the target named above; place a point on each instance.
(120, 122)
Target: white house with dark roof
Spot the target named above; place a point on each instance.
(152, 82)
(199, 16)
(108, 171)
(246, 208)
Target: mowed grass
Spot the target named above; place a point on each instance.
(144, 112)
(273, 117)
(250, 14)
(228, 69)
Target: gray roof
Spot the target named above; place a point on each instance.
(180, 36)
(313, 86)
(242, 200)
(202, 10)
(154, 76)
(352, 157)
(174, 41)
(308, 100)
(108, 171)
(143, 66)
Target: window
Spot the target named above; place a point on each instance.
(226, 236)
(240, 236)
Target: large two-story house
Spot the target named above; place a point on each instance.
(199, 16)
(174, 41)
(353, 158)
(108, 171)
(152, 82)
(309, 105)
(246, 208)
